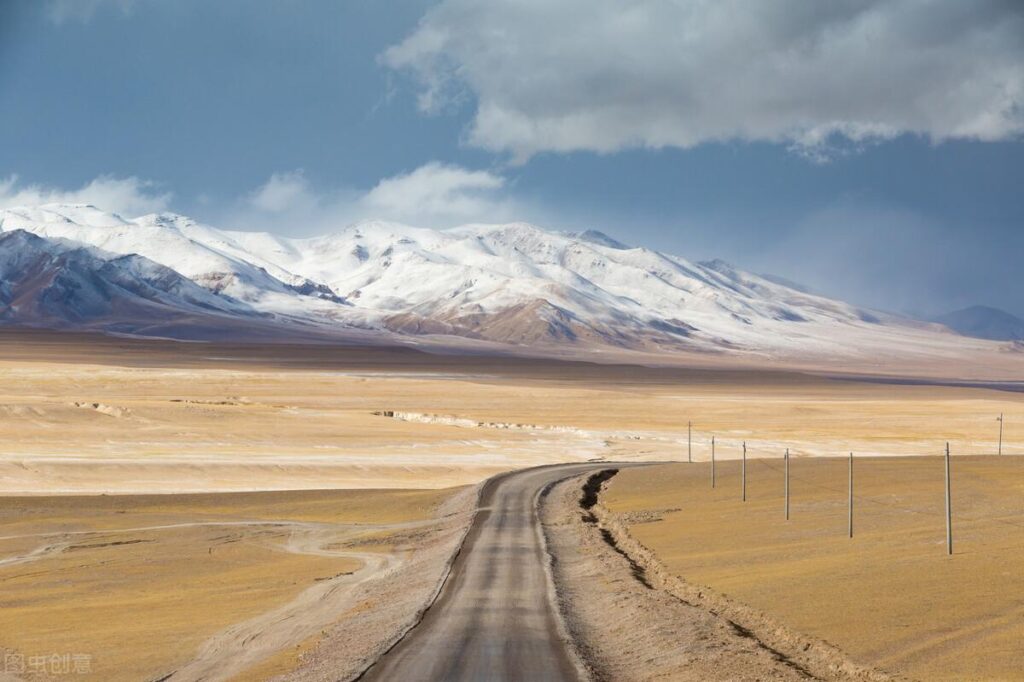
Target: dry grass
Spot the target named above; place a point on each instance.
(140, 600)
(890, 596)
(197, 417)
(87, 415)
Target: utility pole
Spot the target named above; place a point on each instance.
(1000, 420)
(689, 442)
(787, 484)
(712, 461)
(744, 471)
(849, 522)
(949, 513)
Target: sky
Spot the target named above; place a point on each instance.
(872, 150)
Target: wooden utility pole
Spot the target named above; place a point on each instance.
(744, 471)
(689, 441)
(1000, 433)
(787, 484)
(849, 521)
(712, 461)
(949, 512)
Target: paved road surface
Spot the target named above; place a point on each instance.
(494, 619)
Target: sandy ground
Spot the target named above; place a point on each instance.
(211, 586)
(889, 597)
(146, 419)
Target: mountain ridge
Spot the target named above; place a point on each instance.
(62, 283)
(984, 322)
(514, 284)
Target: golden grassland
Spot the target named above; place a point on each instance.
(83, 415)
(138, 583)
(890, 596)
(136, 417)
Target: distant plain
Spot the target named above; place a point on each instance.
(85, 414)
(166, 430)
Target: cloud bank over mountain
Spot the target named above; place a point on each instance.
(129, 195)
(431, 195)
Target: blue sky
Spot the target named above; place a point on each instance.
(871, 150)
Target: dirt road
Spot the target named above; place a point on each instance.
(495, 618)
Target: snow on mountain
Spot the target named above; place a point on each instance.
(512, 283)
(63, 284)
(203, 254)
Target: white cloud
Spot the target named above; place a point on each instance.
(283, 192)
(603, 75)
(437, 191)
(127, 196)
(432, 195)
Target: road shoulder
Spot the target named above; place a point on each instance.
(381, 612)
(631, 620)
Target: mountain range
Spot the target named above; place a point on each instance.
(984, 322)
(509, 285)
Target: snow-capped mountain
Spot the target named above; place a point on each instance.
(59, 283)
(198, 252)
(510, 284)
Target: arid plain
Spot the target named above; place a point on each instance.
(139, 477)
(889, 597)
